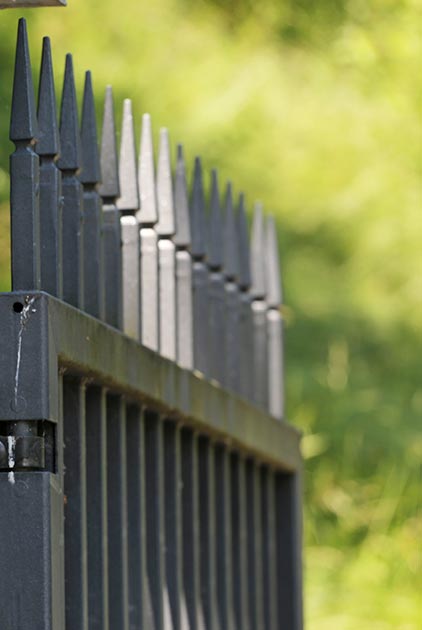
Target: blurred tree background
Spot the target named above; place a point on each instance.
(313, 108)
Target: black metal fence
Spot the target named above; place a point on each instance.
(147, 477)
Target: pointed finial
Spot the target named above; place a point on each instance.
(182, 236)
(244, 247)
(23, 123)
(197, 217)
(215, 228)
(109, 188)
(230, 240)
(146, 178)
(166, 211)
(48, 131)
(91, 172)
(70, 147)
(258, 254)
(128, 177)
(272, 258)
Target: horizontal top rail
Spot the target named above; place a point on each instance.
(59, 336)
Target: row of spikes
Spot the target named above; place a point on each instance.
(80, 153)
(157, 202)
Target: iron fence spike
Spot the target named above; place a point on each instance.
(70, 145)
(128, 204)
(112, 235)
(23, 122)
(91, 171)
(166, 212)
(147, 213)
(198, 213)
(272, 259)
(70, 162)
(215, 228)
(246, 330)
(24, 174)
(182, 236)
(48, 147)
(230, 238)
(258, 254)
(129, 194)
(109, 188)
(244, 246)
(48, 133)
(93, 255)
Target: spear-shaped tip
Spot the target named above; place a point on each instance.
(146, 180)
(230, 244)
(91, 172)
(23, 122)
(70, 146)
(109, 188)
(181, 202)
(215, 228)
(198, 212)
(48, 132)
(272, 258)
(244, 248)
(128, 180)
(166, 211)
(258, 254)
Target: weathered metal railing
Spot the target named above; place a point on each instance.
(147, 479)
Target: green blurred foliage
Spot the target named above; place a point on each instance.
(314, 107)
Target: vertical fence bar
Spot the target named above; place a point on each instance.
(259, 309)
(75, 521)
(128, 204)
(58, 608)
(232, 301)
(216, 284)
(48, 148)
(207, 531)
(224, 538)
(147, 217)
(182, 239)
(274, 322)
(109, 191)
(70, 162)
(173, 523)
(269, 552)
(254, 540)
(246, 330)
(90, 176)
(24, 173)
(117, 513)
(135, 466)
(239, 542)
(190, 514)
(96, 482)
(199, 272)
(289, 544)
(31, 526)
(154, 484)
(165, 228)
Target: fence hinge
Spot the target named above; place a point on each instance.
(26, 445)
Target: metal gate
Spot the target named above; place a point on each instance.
(148, 479)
